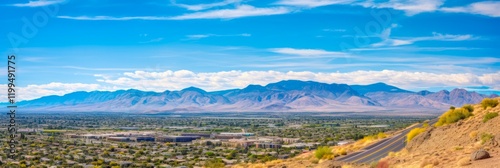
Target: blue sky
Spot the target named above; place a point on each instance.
(72, 45)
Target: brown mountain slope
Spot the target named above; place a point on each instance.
(452, 145)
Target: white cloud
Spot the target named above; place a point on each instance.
(211, 81)
(487, 8)
(114, 18)
(198, 7)
(410, 7)
(200, 36)
(387, 40)
(176, 80)
(238, 12)
(312, 3)
(38, 3)
(305, 52)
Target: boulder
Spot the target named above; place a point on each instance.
(480, 154)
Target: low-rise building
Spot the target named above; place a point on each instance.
(290, 140)
(266, 145)
(205, 135)
(144, 139)
(238, 143)
(119, 139)
(177, 138)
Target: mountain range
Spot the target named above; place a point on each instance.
(283, 96)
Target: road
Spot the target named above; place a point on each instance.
(380, 149)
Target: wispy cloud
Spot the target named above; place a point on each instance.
(97, 69)
(306, 52)
(36, 59)
(406, 48)
(487, 8)
(387, 40)
(334, 30)
(38, 3)
(201, 36)
(153, 40)
(410, 7)
(238, 12)
(199, 7)
(313, 3)
(114, 18)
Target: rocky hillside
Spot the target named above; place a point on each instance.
(464, 143)
(456, 144)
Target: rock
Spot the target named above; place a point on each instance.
(480, 154)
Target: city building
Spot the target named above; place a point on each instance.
(119, 139)
(205, 135)
(238, 143)
(266, 145)
(291, 140)
(177, 138)
(144, 139)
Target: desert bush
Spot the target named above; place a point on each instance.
(214, 163)
(425, 125)
(487, 102)
(381, 135)
(473, 134)
(322, 151)
(485, 137)
(413, 133)
(489, 116)
(458, 147)
(452, 116)
(468, 107)
(342, 152)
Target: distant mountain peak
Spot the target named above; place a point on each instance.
(251, 88)
(194, 89)
(378, 87)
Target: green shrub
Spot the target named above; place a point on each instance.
(322, 151)
(489, 116)
(487, 102)
(452, 116)
(413, 133)
(468, 107)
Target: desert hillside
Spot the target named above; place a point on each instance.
(459, 133)
(451, 145)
